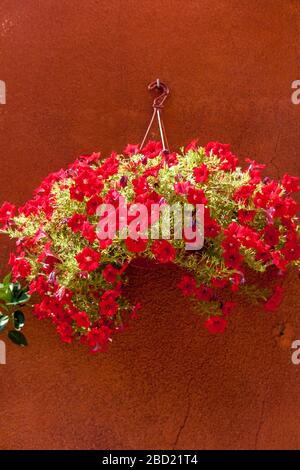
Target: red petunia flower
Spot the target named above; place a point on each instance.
(290, 183)
(7, 212)
(110, 273)
(187, 285)
(219, 283)
(88, 182)
(275, 300)
(196, 196)
(191, 146)
(108, 308)
(291, 250)
(204, 293)
(278, 260)
(97, 339)
(20, 266)
(88, 232)
(136, 246)
(227, 308)
(211, 228)
(216, 324)
(246, 216)
(82, 320)
(76, 222)
(152, 149)
(233, 259)
(65, 331)
(131, 149)
(88, 259)
(201, 173)
(271, 235)
(163, 251)
(39, 285)
(244, 193)
(93, 204)
(134, 312)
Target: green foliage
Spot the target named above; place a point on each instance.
(13, 295)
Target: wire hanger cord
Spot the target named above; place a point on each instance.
(158, 104)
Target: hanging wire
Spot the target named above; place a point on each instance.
(158, 104)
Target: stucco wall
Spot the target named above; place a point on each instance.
(76, 73)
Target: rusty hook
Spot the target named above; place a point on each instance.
(158, 102)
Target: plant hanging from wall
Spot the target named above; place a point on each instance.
(250, 224)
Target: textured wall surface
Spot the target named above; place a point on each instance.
(76, 73)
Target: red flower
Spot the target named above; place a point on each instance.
(97, 339)
(93, 204)
(227, 159)
(7, 212)
(110, 295)
(131, 149)
(260, 200)
(204, 293)
(82, 320)
(140, 185)
(89, 232)
(187, 285)
(262, 252)
(182, 187)
(196, 196)
(211, 228)
(191, 146)
(233, 259)
(171, 159)
(110, 274)
(227, 308)
(76, 193)
(244, 193)
(134, 312)
(201, 173)
(152, 149)
(20, 266)
(65, 331)
(275, 300)
(216, 324)
(246, 216)
(291, 250)
(271, 235)
(76, 222)
(163, 251)
(88, 259)
(219, 283)
(108, 307)
(216, 148)
(39, 285)
(136, 246)
(290, 183)
(88, 182)
(278, 260)
(254, 169)
(230, 244)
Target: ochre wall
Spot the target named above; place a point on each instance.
(76, 74)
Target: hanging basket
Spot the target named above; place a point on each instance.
(78, 274)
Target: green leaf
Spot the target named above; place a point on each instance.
(19, 296)
(18, 338)
(4, 319)
(7, 279)
(19, 320)
(5, 294)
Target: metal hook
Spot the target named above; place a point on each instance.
(159, 100)
(158, 104)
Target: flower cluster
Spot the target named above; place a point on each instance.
(250, 224)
